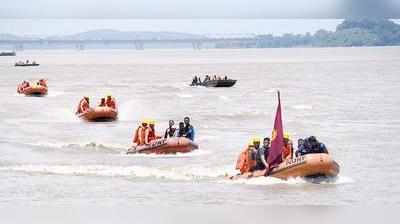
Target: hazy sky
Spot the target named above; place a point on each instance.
(198, 9)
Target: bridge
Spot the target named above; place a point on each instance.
(138, 44)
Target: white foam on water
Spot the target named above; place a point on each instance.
(265, 181)
(98, 170)
(181, 95)
(291, 181)
(224, 98)
(91, 146)
(193, 153)
(53, 93)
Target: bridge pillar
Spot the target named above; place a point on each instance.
(197, 45)
(139, 45)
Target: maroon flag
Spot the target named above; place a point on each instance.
(275, 152)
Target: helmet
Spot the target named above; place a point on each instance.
(145, 121)
(256, 139)
(152, 121)
(286, 135)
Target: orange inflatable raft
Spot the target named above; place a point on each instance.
(33, 90)
(99, 114)
(166, 146)
(319, 165)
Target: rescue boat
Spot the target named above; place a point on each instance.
(33, 90)
(165, 146)
(319, 165)
(99, 114)
(216, 83)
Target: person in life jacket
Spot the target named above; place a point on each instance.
(42, 82)
(150, 133)
(139, 135)
(287, 149)
(110, 102)
(102, 102)
(246, 161)
(83, 105)
(171, 130)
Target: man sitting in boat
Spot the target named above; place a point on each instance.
(171, 131)
(83, 105)
(287, 149)
(140, 133)
(261, 155)
(310, 145)
(181, 130)
(189, 129)
(102, 102)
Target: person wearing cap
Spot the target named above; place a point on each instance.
(170, 131)
(287, 149)
(150, 133)
(139, 135)
(42, 82)
(110, 102)
(189, 129)
(246, 161)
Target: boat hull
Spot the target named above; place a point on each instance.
(26, 65)
(166, 146)
(318, 165)
(217, 83)
(36, 90)
(99, 114)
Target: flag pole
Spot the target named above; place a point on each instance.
(279, 97)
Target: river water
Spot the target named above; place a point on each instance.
(348, 97)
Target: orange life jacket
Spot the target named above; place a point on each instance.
(78, 110)
(245, 162)
(84, 106)
(139, 136)
(150, 135)
(287, 151)
(110, 103)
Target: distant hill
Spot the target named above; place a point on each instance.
(352, 32)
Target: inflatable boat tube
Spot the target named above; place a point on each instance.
(99, 114)
(307, 166)
(34, 90)
(166, 146)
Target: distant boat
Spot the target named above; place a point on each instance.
(217, 83)
(11, 53)
(26, 64)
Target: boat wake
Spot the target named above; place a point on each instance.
(193, 153)
(97, 170)
(81, 147)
